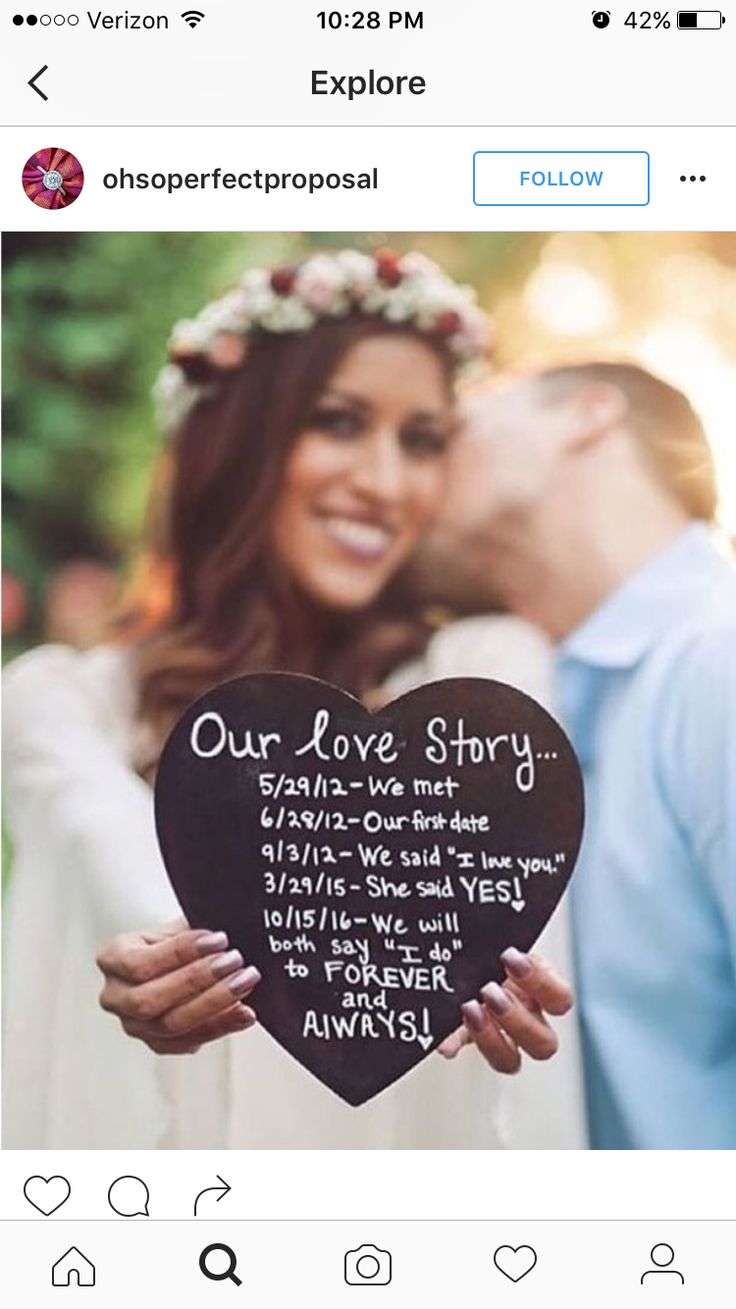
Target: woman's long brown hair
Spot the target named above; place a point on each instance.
(214, 604)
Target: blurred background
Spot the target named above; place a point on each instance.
(86, 318)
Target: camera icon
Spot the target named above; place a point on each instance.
(367, 1266)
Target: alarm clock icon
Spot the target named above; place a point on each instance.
(601, 17)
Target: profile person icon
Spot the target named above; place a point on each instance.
(662, 1255)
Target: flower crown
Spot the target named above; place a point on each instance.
(408, 289)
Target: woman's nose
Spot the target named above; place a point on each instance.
(379, 469)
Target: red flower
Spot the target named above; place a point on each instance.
(447, 323)
(387, 267)
(282, 280)
(53, 178)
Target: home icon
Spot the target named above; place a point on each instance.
(73, 1268)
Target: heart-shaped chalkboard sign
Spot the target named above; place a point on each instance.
(372, 866)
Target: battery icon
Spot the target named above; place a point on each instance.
(700, 20)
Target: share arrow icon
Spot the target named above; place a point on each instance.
(221, 1190)
(32, 82)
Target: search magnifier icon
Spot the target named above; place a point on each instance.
(219, 1273)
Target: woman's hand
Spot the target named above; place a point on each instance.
(176, 989)
(506, 1020)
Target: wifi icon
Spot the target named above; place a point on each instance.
(193, 17)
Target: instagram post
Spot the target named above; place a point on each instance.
(369, 691)
(368, 682)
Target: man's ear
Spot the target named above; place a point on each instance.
(593, 412)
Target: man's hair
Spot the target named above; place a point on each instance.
(671, 437)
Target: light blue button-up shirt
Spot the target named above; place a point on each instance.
(648, 689)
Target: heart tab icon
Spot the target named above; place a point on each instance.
(47, 1194)
(372, 866)
(515, 1261)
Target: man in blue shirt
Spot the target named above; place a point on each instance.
(586, 500)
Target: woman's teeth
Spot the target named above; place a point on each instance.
(361, 538)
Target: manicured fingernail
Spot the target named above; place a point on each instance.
(227, 963)
(474, 1015)
(518, 964)
(498, 1001)
(243, 982)
(244, 1017)
(211, 942)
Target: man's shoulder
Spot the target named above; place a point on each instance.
(704, 634)
(683, 693)
(693, 719)
(704, 641)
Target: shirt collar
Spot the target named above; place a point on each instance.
(622, 630)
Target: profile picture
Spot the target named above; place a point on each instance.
(53, 178)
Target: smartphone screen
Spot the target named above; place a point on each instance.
(369, 618)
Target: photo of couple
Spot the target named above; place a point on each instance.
(381, 461)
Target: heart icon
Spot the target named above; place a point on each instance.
(372, 866)
(47, 1194)
(515, 1261)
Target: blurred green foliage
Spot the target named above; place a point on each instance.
(85, 324)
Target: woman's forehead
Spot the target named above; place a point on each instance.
(403, 362)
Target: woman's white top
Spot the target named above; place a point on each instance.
(87, 866)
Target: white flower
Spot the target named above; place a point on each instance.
(418, 265)
(230, 314)
(287, 314)
(323, 285)
(255, 278)
(259, 301)
(402, 303)
(436, 301)
(359, 270)
(189, 336)
(376, 298)
(475, 333)
(174, 397)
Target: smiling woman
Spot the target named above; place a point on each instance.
(298, 486)
(311, 413)
(365, 477)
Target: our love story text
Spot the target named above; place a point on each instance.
(445, 743)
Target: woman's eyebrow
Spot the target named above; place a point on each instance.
(345, 397)
(447, 418)
(440, 416)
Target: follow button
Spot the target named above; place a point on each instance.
(554, 178)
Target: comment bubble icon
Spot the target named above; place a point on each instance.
(128, 1196)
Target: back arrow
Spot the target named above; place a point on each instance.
(34, 79)
(223, 1191)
